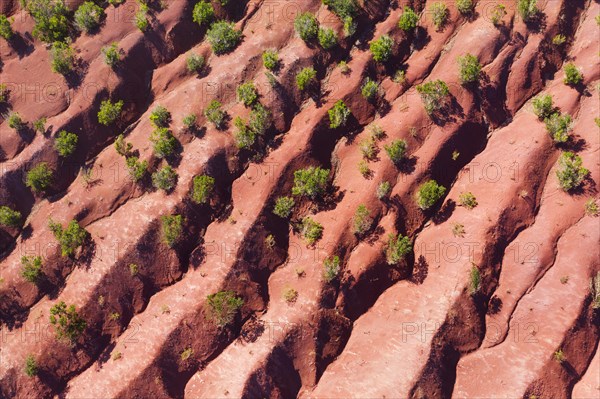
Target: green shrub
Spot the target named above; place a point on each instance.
(342, 8)
(344, 68)
(369, 89)
(31, 367)
(465, 7)
(573, 76)
(382, 48)
(558, 127)
(31, 268)
(270, 59)
(327, 38)
(66, 143)
(244, 136)
(203, 13)
(527, 9)
(542, 106)
(39, 126)
(376, 132)
(15, 121)
(190, 122)
(136, 168)
(223, 306)
(458, 230)
(559, 40)
(474, 280)
(164, 143)
(595, 290)
(109, 112)
(383, 190)
(116, 2)
(310, 182)
(62, 58)
(363, 168)
(3, 93)
(51, 22)
(122, 147)
(591, 208)
(202, 189)
(396, 150)
(470, 69)
(165, 178)
(39, 177)
(467, 200)
(9, 217)
(571, 172)
(408, 20)
(368, 148)
(498, 13)
(70, 238)
(350, 26)
(66, 321)
(306, 26)
(111, 54)
(160, 116)
(398, 247)
(429, 193)
(362, 221)
(312, 231)
(331, 266)
(172, 227)
(439, 14)
(5, 29)
(260, 119)
(283, 207)
(271, 79)
(434, 95)
(223, 37)
(88, 16)
(214, 114)
(247, 94)
(290, 295)
(195, 63)
(306, 77)
(141, 17)
(338, 115)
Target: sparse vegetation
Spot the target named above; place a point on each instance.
(470, 69)
(141, 17)
(3, 93)
(396, 150)
(203, 13)
(186, 354)
(88, 16)
(31, 268)
(70, 238)
(369, 89)
(137, 169)
(434, 95)
(362, 221)
(465, 7)
(65, 143)
(527, 9)
(429, 193)
(398, 247)
(39, 126)
(458, 230)
(215, 114)
(62, 58)
(223, 37)
(270, 59)
(283, 207)
(498, 13)
(260, 120)
(39, 177)
(223, 307)
(344, 68)
(5, 29)
(306, 77)
(363, 168)
(327, 38)
(559, 356)
(382, 48)
(164, 143)
(15, 121)
(111, 54)
(368, 148)
(247, 94)
(67, 322)
(244, 136)
(190, 122)
(408, 20)
(9, 217)
(467, 200)
(595, 290)
(439, 14)
(571, 173)
(202, 189)
(31, 367)
(172, 227)
(312, 231)
(399, 77)
(591, 208)
(338, 115)
(160, 116)
(109, 112)
(558, 127)
(133, 269)
(474, 280)
(290, 295)
(573, 76)
(331, 268)
(306, 26)
(165, 178)
(383, 190)
(542, 106)
(310, 182)
(559, 40)
(194, 63)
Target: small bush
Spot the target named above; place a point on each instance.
(595, 290)
(591, 208)
(165, 178)
(559, 40)
(558, 127)
(434, 95)
(312, 231)
(5, 29)
(290, 295)
(465, 7)
(223, 307)
(244, 136)
(396, 150)
(109, 112)
(51, 22)
(439, 14)
(369, 89)
(331, 266)
(15, 121)
(344, 68)
(458, 230)
(573, 76)
(376, 132)
(160, 116)
(368, 148)
(467, 200)
(31, 367)
(542, 106)
(350, 26)
(260, 120)
(527, 9)
(270, 59)
(111, 54)
(164, 143)
(310, 182)
(9, 217)
(571, 172)
(247, 94)
(3, 93)
(383, 190)
(342, 8)
(133, 269)
(306, 77)
(283, 207)
(429, 193)
(223, 37)
(474, 280)
(88, 16)
(62, 58)
(338, 115)
(39, 126)
(363, 168)
(172, 227)
(190, 122)
(498, 13)
(214, 114)
(122, 147)
(39, 177)
(408, 20)
(67, 322)
(137, 169)
(31, 268)
(362, 221)
(382, 48)
(203, 13)
(306, 26)
(194, 63)
(70, 238)
(66, 143)
(141, 17)
(470, 69)
(186, 354)
(398, 247)
(327, 38)
(202, 189)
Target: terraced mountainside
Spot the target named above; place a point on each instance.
(388, 199)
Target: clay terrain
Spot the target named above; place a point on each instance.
(411, 221)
